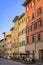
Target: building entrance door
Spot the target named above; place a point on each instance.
(41, 55)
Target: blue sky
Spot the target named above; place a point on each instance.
(8, 10)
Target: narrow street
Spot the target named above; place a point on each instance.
(9, 62)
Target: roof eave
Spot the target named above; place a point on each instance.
(3, 33)
(16, 18)
(11, 28)
(25, 3)
(21, 16)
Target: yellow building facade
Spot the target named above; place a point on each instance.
(22, 33)
(2, 48)
(16, 34)
(8, 44)
(12, 38)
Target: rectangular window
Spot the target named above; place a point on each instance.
(23, 43)
(27, 30)
(39, 23)
(38, 11)
(34, 26)
(31, 27)
(27, 39)
(23, 31)
(33, 15)
(39, 37)
(22, 20)
(33, 38)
